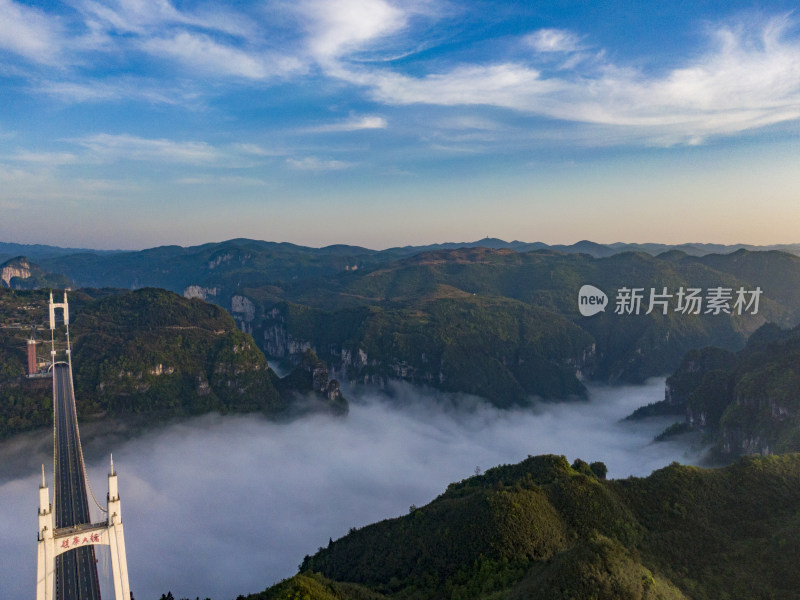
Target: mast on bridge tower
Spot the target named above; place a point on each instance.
(64, 306)
(66, 536)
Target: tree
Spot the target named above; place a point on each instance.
(599, 468)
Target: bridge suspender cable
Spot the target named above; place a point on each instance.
(80, 450)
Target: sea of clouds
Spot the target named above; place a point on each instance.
(221, 506)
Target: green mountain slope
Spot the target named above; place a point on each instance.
(545, 529)
(149, 353)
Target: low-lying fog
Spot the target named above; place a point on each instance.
(221, 506)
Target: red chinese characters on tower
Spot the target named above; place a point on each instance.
(75, 541)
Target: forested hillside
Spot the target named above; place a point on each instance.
(501, 315)
(147, 352)
(495, 319)
(545, 529)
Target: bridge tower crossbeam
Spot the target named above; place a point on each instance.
(54, 542)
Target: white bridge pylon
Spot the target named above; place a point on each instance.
(63, 306)
(53, 542)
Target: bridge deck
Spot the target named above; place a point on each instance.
(76, 570)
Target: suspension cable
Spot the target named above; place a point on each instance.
(80, 448)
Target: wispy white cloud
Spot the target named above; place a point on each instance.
(748, 79)
(508, 85)
(553, 40)
(10, 175)
(39, 184)
(137, 16)
(255, 150)
(110, 148)
(120, 89)
(29, 32)
(336, 28)
(129, 16)
(202, 53)
(130, 147)
(225, 180)
(312, 163)
(212, 39)
(352, 124)
(469, 122)
(44, 158)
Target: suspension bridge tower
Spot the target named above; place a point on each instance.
(67, 567)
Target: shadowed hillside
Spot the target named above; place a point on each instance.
(745, 402)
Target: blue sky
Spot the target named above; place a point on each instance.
(135, 123)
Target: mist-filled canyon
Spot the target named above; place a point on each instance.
(221, 506)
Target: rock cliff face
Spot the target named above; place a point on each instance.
(748, 402)
(310, 378)
(244, 312)
(503, 352)
(204, 293)
(277, 341)
(17, 267)
(21, 274)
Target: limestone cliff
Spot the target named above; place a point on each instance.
(21, 274)
(16, 267)
(747, 402)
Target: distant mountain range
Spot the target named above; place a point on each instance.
(37, 251)
(603, 250)
(41, 251)
(501, 323)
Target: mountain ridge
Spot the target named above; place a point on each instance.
(546, 529)
(35, 251)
